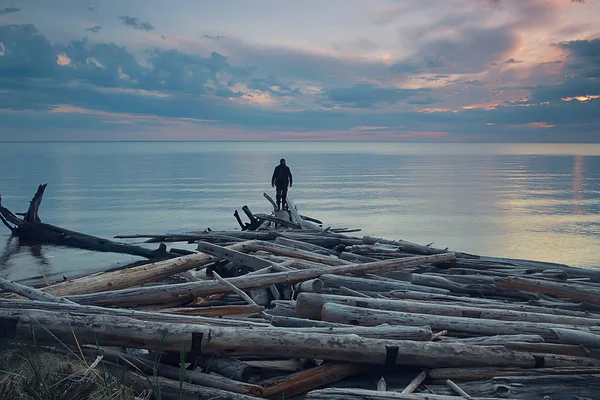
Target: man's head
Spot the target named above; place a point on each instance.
(282, 161)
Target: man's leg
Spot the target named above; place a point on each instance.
(284, 205)
(278, 197)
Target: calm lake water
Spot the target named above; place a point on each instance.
(534, 201)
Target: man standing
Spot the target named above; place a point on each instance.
(282, 177)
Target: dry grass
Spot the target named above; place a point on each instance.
(29, 373)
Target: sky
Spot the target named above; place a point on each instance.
(318, 70)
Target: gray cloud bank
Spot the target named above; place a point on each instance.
(172, 84)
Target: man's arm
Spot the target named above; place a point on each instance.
(273, 177)
(290, 176)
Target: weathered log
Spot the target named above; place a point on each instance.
(374, 351)
(404, 246)
(292, 322)
(573, 272)
(385, 331)
(312, 286)
(362, 394)
(351, 292)
(164, 293)
(554, 348)
(47, 233)
(236, 214)
(532, 387)
(481, 373)
(298, 219)
(487, 303)
(270, 200)
(283, 308)
(217, 311)
(382, 385)
(242, 342)
(344, 255)
(31, 293)
(329, 239)
(76, 309)
(174, 390)
(276, 220)
(9, 218)
(316, 221)
(577, 337)
(471, 289)
(297, 244)
(286, 251)
(32, 212)
(573, 291)
(372, 285)
(339, 313)
(456, 389)
(299, 382)
(166, 371)
(567, 306)
(32, 228)
(500, 340)
(415, 383)
(132, 276)
(237, 257)
(309, 305)
(254, 222)
(231, 368)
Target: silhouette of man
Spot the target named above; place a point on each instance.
(282, 177)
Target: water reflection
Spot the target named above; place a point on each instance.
(578, 183)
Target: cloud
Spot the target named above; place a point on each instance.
(584, 57)
(9, 10)
(27, 53)
(425, 101)
(309, 91)
(90, 8)
(94, 29)
(213, 37)
(471, 50)
(136, 23)
(271, 85)
(404, 67)
(365, 95)
(360, 45)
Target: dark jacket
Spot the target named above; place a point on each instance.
(282, 176)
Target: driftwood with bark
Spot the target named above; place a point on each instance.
(30, 227)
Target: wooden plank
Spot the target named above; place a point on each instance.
(303, 381)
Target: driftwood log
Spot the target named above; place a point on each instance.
(30, 227)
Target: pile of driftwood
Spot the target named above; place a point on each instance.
(289, 307)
